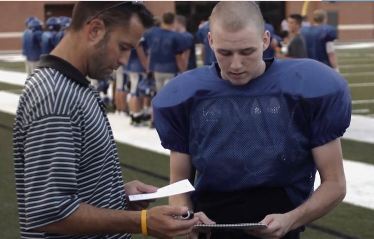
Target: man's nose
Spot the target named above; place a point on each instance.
(236, 62)
(124, 58)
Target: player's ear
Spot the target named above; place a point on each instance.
(210, 40)
(266, 40)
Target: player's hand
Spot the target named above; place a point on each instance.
(203, 219)
(137, 187)
(165, 222)
(277, 226)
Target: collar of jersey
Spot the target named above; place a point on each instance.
(64, 67)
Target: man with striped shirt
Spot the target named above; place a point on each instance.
(68, 177)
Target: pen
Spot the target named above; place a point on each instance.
(187, 216)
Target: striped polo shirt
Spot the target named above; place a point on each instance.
(64, 151)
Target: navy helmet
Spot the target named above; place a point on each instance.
(64, 22)
(34, 24)
(53, 24)
(27, 21)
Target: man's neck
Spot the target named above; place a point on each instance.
(70, 50)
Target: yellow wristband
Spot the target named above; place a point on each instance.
(143, 222)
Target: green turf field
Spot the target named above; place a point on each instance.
(346, 221)
(357, 66)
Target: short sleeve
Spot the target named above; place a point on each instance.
(331, 116)
(171, 123)
(330, 33)
(180, 43)
(50, 171)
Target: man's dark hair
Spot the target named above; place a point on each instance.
(168, 18)
(297, 17)
(112, 13)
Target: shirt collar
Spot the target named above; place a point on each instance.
(64, 67)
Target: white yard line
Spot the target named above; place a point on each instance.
(12, 57)
(12, 77)
(342, 66)
(355, 46)
(360, 102)
(360, 111)
(359, 74)
(365, 84)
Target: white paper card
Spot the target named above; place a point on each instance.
(179, 187)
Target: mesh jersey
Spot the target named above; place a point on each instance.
(259, 134)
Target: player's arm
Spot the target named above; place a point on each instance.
(330, 193)
(328, 159)
(181, 62)
(180, 168)
(186, 56)
(330, 49)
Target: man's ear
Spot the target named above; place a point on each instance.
(266, 40)
(210, 40)
(95, 31)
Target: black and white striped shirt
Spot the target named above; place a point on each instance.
(64, 151)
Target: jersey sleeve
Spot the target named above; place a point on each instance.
(50, 171)
(181, 43)
(171, 120)
(330, 33)
(330, 115)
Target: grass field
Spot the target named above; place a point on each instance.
(346, 221)
(357, 66)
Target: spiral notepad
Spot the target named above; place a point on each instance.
(245, 226)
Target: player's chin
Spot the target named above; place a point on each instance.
(239, 82)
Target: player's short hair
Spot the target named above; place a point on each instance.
(181, 20)
(319, 16)
(111, 13)
(297, 17)
(168, 18)
(236, 15)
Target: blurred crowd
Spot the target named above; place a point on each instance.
(168, 49)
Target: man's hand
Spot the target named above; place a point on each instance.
(203, 219)
(278, 225)
(137, 187)
(165, 222)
